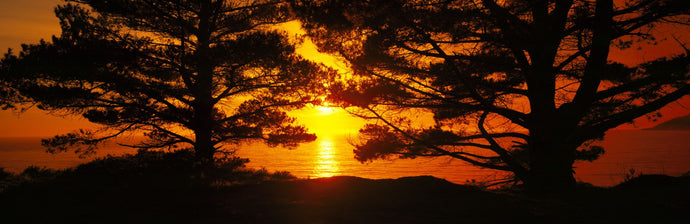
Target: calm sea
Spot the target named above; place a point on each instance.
(648, 152)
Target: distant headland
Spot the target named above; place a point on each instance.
(679, 123)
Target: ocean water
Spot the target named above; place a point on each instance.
(647, 152)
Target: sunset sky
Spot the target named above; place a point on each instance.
(28, 21)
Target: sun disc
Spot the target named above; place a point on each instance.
(325, 110)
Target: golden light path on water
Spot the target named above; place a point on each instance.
(325, 162)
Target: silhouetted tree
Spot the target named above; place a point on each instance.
(519, 86)
(195, 72)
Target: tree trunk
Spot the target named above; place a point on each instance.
(204, 146)
(203, 118)
(551, 164)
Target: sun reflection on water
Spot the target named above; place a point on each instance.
(325, 164)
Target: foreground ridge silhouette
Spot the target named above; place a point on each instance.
(106, 192)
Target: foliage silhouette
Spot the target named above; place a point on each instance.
(199, 73)
(146, 169)
(518, 86)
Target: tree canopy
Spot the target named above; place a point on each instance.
(200, 73)
(520, 86)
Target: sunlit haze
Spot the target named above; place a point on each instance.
(210, 111)
(30, 21)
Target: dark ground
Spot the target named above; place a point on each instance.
(646, 199)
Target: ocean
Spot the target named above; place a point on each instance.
(644, 151)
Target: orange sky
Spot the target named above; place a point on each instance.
(23, 21)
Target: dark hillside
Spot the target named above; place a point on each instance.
(679, 123)
(143, 189)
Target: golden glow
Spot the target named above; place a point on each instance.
(308, 49)
(325, 109)
(325, 163)
(327, 121)
(29, 21)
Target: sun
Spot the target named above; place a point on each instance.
(325, 108)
